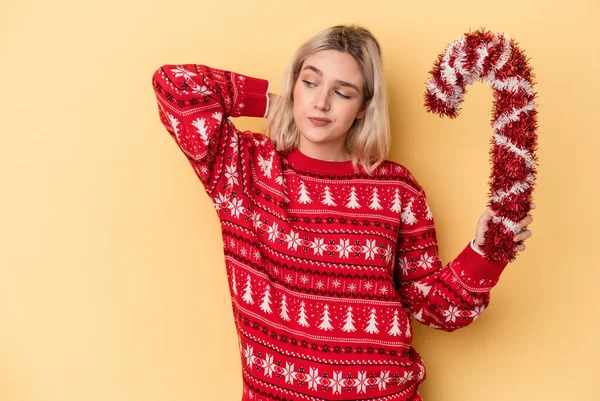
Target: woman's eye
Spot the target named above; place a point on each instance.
(308, 83)
(340, 94)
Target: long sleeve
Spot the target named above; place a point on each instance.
(444, 297)
(194, 104)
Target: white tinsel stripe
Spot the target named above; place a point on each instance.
(517, 188)
(503, 141)
(504, 119)
(510, 84)
(435, 90)
(508, 223)
(506, 51)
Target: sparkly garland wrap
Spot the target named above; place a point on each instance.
(498, 61)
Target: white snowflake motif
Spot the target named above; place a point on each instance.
(288, 278)
(337, 382)
(244, 252)
(180, 71)
(383, 170)
(272, 230)
(204, 170)
(293, 239)
(241, 105)
(256, 219)
(320, 285)
(383, 290)
(398, 169)
(408, 376)
(362, 382)
(478, 310)
(344, 248)
(368, 285)
(221, 201)
(370, 249)
(201, 90)
(451, 314)
(232, 243)
(236, 207)
(319, 246)
(403, 265)
(256, 255)
(231, 174)
(352, 287)
(276, 270)
(336, 283)
(304, 279)
(426, 260)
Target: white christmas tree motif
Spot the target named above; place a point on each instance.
(353, 199)
(266, 300)
(396, 206)
(304, 198)
(266, 165)
(419, 316)
(174, 124)
(325, 320)
(349, 322)
(375, 205)
(408, 215)
(284, 311)
(423, 288)
(395, 329)
(407, 332)
(217, 115)
(429, 214)
(372, 326)
(328, 198)
(233, 281)
(200, 124)
(248, 292)
(302, 315)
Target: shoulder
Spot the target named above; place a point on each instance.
(390, 170)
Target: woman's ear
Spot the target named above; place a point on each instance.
(363, 110)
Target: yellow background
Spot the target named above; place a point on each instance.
(112, 280)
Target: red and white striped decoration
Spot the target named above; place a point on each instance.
(498, 61)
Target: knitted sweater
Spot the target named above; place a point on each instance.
(325, 264)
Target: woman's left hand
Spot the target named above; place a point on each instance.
(482, 226)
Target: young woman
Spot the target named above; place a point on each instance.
(329, 248)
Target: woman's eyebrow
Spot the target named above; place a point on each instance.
(337, 81)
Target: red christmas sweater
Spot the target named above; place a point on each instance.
(325, 264)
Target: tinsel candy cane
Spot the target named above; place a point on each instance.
(498, 61)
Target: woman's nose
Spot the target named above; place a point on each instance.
(322, 100)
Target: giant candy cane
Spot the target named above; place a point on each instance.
(501, 64)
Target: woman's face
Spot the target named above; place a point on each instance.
(328, 97)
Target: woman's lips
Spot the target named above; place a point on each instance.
(319, 122)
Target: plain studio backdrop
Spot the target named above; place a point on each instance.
(112, 279)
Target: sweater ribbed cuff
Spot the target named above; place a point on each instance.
(475, 272)
(253, 96)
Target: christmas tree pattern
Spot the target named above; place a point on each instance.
(349, 322)
(396, 207)
(248, 292)
(325, 320)
(266, 165)
(233, 281)
(284, 311)
(302, 315)
(395, 329)
(372, 326)
(408, 216)
(353, 199)
(328, 198)
(429, 215)
(304, 198)
(266, 301)
(375, 205)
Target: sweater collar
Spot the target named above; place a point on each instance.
(300, 161)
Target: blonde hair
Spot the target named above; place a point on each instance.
(368, 139)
